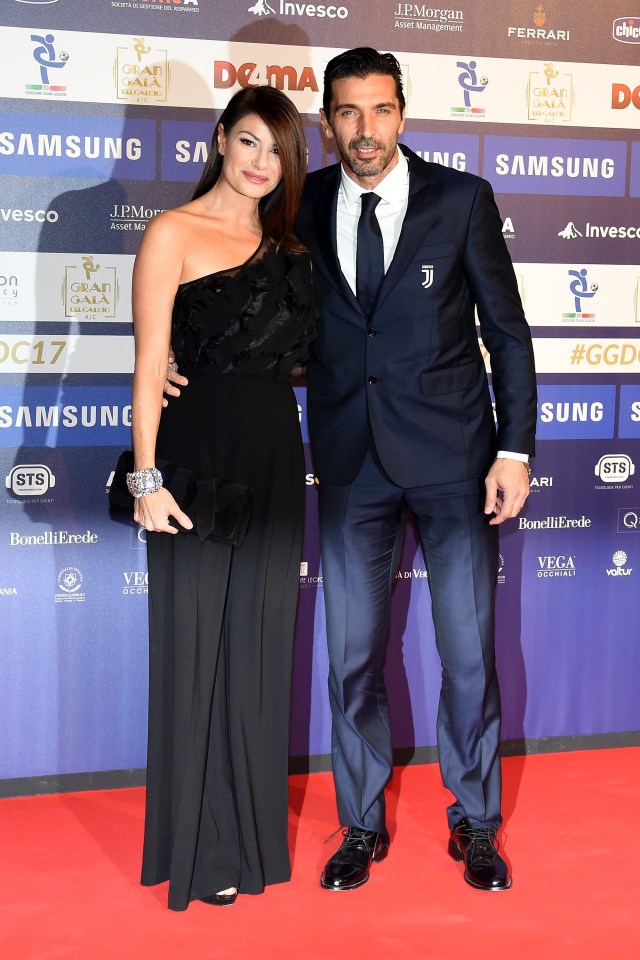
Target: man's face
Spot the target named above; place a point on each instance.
(365, 120)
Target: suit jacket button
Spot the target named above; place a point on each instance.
(372, 380)
(371, 332)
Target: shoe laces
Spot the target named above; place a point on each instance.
(482, 842)
(355, 837)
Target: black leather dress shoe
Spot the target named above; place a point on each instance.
(349, 867)
(484, 868)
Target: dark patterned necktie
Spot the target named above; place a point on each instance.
(369, 253)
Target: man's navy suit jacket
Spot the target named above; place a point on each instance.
(411, 374)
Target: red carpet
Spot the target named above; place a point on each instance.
(70, 868)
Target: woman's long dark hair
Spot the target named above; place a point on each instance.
(279, 209)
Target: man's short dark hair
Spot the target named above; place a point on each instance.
(361, 62)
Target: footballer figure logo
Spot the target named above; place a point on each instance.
(45, 56)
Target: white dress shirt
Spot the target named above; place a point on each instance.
(393, 191)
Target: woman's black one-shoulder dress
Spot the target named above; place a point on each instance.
(221, 618)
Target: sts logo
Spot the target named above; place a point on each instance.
(615, 468)
(30, 480)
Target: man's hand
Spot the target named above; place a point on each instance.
(507, 487)
(173, 381)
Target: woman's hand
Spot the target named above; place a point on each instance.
(153, 511)
(174, 380)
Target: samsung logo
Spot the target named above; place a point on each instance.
(71, 146)
(546, 166)
(69, 416)
(74, 145)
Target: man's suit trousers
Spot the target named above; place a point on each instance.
(362, 527)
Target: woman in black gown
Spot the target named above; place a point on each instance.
(224, 280)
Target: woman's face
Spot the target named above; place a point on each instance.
(251, 165)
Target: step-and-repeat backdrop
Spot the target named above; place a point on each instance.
(108, 109)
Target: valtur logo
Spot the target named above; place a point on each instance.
(619, 569)
(626, 29)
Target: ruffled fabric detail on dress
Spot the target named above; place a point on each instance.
(268, 299)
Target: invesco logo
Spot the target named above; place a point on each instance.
(28, 216)
(320, 10)
(30, 480)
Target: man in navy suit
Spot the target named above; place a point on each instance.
(400, 418)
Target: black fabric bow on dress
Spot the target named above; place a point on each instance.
(219, 509)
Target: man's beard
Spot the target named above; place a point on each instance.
(373, 167)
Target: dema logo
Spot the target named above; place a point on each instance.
(622, 96)
(227, 74)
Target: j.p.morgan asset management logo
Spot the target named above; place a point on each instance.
(90, 290)
(141, 73)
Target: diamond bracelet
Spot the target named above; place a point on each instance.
(141, 483)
